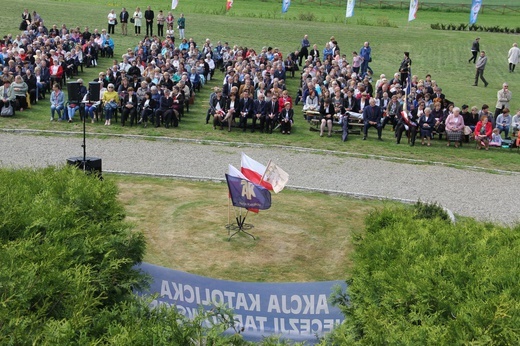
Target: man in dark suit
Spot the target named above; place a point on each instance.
(149, 16)
(272, 115)
(314, 53)
(475, 49)
(286, 118)
(259, 113)
(102, 79)
(304, 51)
(279, 73)
(123, 19)
(246, 108)
(438, 93)
(165, 110)
(226, 89)
(405, 68)
(372, 118)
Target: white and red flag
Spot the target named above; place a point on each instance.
(271, 177)
(229, 4)
(412, 13)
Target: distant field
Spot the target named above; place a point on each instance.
(254, 23)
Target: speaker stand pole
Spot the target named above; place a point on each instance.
(85, 137)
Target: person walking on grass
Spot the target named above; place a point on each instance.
(481, 65)
(475, 49)
(181, 24)
(513, 56)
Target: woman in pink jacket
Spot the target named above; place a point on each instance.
(454, 127)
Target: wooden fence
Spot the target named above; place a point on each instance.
(440, 6)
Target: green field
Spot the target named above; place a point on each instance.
(255, 24)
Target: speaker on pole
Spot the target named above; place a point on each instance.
(91, 165)
(73, 91)
(94, 88)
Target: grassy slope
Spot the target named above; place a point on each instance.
(257, 23)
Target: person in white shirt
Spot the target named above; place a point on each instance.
(112, 17)
(513, 56)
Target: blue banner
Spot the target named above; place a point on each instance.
(285, 5)
(295, 311)
(475, 9)
(245, 194)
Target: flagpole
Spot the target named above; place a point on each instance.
(263, 175)
(229, 215)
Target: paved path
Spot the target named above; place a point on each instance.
(456, 189)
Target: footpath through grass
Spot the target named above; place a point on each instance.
(255, 24)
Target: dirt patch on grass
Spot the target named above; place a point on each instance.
(303, 237)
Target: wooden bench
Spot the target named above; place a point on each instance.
(354, 126)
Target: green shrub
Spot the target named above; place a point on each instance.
(308, 16)
(66, 251)
(420, 280)
(385, 22)
(430, 211)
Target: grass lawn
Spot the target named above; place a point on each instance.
(184, 224)
(444, 54)
(255, 24)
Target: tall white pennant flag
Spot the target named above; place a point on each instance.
(285, 5)
(174, 4)
(350, 8)
(414, 5)
(276, 176)
(475, 9)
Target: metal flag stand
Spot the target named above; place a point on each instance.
(240, 226)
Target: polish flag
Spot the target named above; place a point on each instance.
(254, 171)
(232, 171)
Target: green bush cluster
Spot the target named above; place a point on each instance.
(67, 276)
(66, 253)
(419, 279)
(475, 27)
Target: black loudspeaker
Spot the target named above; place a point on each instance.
(94, 89)
(73, 92)
(91, 165)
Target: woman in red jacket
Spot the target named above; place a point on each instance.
(56, 72)
(483, 132)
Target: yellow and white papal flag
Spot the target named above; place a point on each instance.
(276, 176)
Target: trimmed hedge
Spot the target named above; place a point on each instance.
(475, 27)
(418, 279)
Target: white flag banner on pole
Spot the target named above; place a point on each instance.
(174, 4)
(350, 8)
(414, 4)
(475, 9)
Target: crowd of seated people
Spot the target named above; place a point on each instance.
(157, 79)
(40, 57)
(333, 89)
(155, 82)
(45, 58)
(253, 94)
